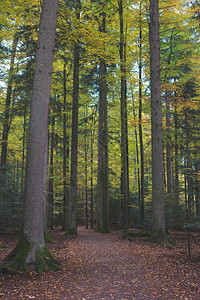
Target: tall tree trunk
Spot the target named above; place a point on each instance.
(197, 188)
(86, 173)
(158, 216)
(65, 156)
(123, 126)
(6, 120)
(31, 249)
(50, 183)
(23, 153)
(168, 146)
(102, 181)
(137, 157)
(45, 216)
(176, 180)
(92, 171)
(74, 141)
(188, 170)
(168, 129)
(126, 126)
(140, 120)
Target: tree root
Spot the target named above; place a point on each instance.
(16, 261)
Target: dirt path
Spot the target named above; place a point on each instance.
(103, 266)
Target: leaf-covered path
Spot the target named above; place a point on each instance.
(103, 266)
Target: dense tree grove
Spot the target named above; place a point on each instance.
(121, 144)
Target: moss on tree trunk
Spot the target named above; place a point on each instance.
(71, 231)
(19, 259)
(157, 236)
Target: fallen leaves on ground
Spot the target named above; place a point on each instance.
(104, 266)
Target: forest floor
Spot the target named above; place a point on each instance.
(104, 266)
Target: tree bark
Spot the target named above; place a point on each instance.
(65, 156)
(169, 147)
(140, 120)
(102, 181)
(158, 216)
(123, 125)
(31, 250)
(176, 179)
(74, 141)
(188, 171)
(92, 168)
(50, 183)
(86, 172)
(137, 160)
(197, 189)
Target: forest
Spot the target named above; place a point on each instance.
(99, 111)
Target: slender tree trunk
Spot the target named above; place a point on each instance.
(102, 181)
(168, 147)
(158, 217)
(168, 130)
(65, 156)
(137, 157)
(50, 183)
(92, 187)
(126, 125)
(92, 171)
(86, 173)
(140, 120)
(45, 216)
(188, 170)
(31, 250)
(197, 189)
(6, 120)
(74, 141)
(23, 153)
(176, 181)
(123, 125)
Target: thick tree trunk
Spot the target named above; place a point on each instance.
(102, 186)
(158, 216)
(31, 250)
(102, 181)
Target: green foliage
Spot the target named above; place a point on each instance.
(11, 199)
(180, 75)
